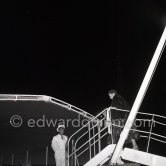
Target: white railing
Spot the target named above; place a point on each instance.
(95, 131)
(91, 125)
(84, 146)
(45, 98)
(36, 98)
(26, 158)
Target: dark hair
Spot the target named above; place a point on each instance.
(112, 91)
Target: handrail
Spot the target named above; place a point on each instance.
(158, 140)
(158, 135)
(45, 98)
(160, 123)
(98, 122)
(93, 120)
(141, 131)
(91, 144)
(83, 128)
(89, 139)
(87, 131)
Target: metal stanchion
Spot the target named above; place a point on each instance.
(73, 150)
(99, 138)
(149, 139)
(12, 163)
(94, 141)
(27, 156)
(46, 155)
(89, 141)
(1, 160)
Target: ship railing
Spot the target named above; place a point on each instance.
(89, 140)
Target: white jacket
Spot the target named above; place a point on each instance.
(59, 147)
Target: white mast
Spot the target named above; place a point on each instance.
(139, 98)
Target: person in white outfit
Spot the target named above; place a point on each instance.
(59, 146)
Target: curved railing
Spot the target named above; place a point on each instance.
(45, 98)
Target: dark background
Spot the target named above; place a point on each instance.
(76, 52)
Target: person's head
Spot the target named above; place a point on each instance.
(61, 129)
(112, 93)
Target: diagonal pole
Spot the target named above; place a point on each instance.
(139, 98)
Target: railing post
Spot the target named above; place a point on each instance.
(109, 123)
(68, 154)
(75, 157)
(46, 155)
(151, 127)
(111, 126)
(108, 120)
(27, 156)
(1, 160)
(99, 138)
(94, 145)
(72, 157)
(12, 159)
(90, 155)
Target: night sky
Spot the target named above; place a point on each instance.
(76, 52)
